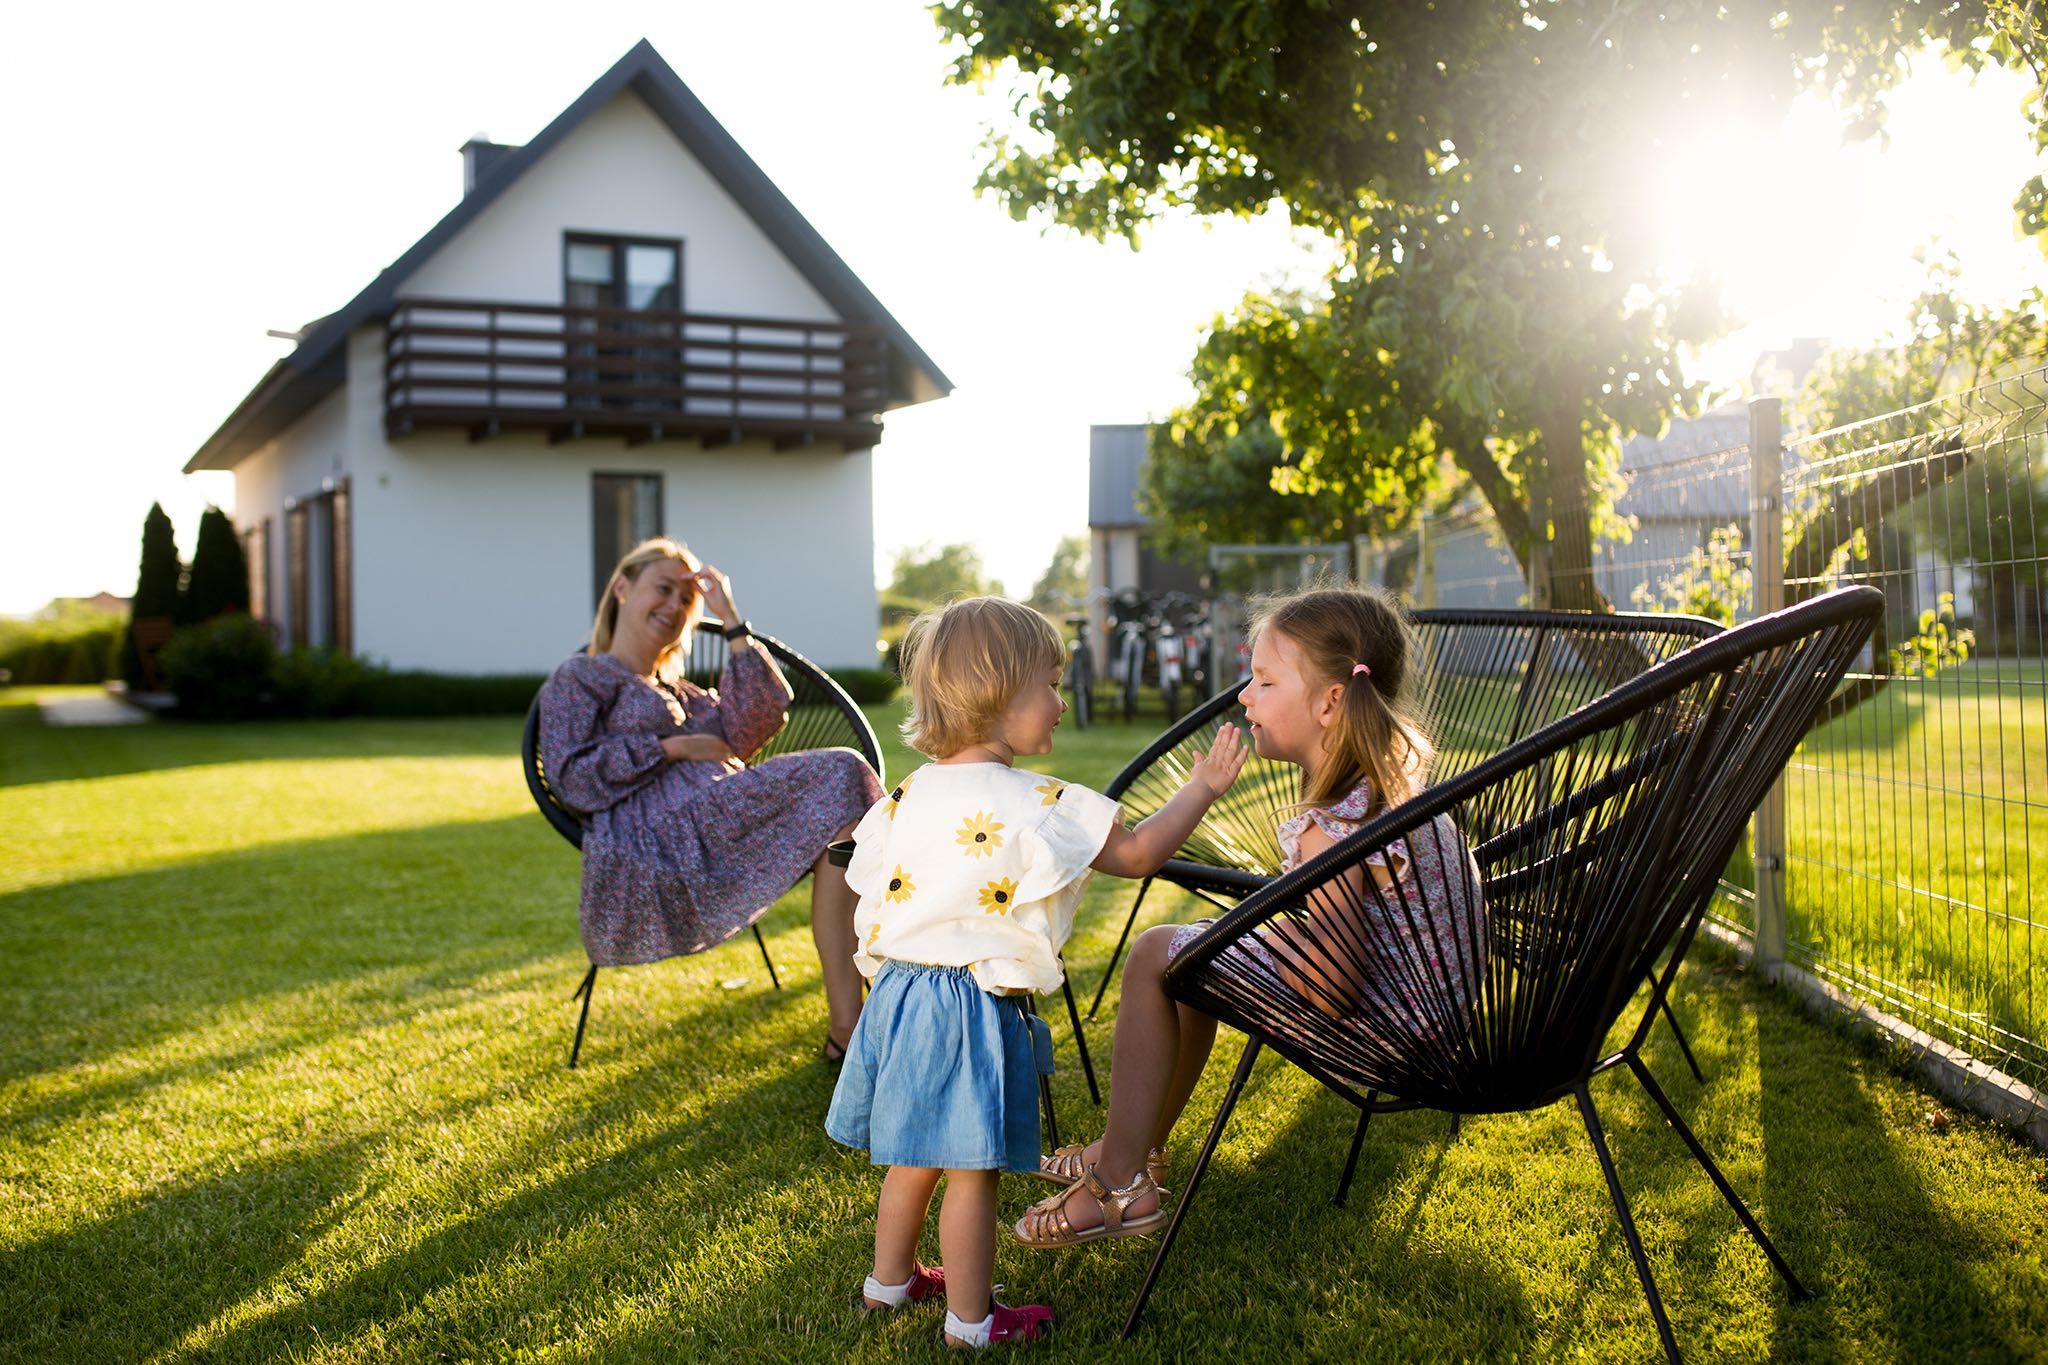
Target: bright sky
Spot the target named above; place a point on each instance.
(185, 177)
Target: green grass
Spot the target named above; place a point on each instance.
(286, 1015)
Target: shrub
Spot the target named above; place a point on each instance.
(385, 693)
(868, 686)
(156, 582)
(318, 683)
(68, 650)
(220, 670)
(219, 579)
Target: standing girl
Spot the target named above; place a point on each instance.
(968, 874)
(1331, 690)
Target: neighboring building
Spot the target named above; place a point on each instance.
(1120, 552)
(622, 329)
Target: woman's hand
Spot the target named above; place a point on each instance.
(717, 591)
(1218, 768)
(701, 749)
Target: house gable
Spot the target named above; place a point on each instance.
(318, 366)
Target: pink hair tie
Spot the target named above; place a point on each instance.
(1357, 669)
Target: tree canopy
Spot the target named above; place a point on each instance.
(1496, 303)
(928, 575)
(1064, 584)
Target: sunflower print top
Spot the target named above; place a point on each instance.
(976, 865)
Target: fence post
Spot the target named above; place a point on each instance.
(1425, 563)
(1767, 569)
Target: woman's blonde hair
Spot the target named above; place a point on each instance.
(966, 662)
(1380, 731)
(639, 557)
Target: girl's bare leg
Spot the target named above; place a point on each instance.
(899, 1220)
(967, 1243)
(832, 906)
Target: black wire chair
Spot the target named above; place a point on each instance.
(1487, 678)
(1597, 843)
(821, 716)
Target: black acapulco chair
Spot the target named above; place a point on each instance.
(1604, 835)
(821, 716)
(1487, 679)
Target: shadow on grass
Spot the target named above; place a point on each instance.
(31, 752)
(115, 965)
(135, 1281)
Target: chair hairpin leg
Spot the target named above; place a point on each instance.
(1187, 1198)
(585, 991)
(1357, 1141)
(1051, 1124)
(1628, 1224)
(768, 961)
(1080, 1038)
(1684, 1048)
(1454, 1126)
(1117, 956)
(1799, 1292)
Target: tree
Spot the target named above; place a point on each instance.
(156, 584)
(219, 579)
(1065, 580)
(931, 576)
(1496, 302)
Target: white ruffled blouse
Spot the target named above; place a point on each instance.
(976, 865)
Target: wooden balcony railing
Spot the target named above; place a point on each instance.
(647, 376)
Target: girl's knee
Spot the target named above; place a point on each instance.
(1149, 955)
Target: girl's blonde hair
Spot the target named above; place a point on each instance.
(966, 662)
(639, 557)
(1380, 731)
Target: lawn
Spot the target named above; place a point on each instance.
(287, 1009)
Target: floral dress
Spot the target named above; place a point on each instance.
(1420, 927)
(680, 856)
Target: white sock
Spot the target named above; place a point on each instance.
(894, 1295)
(973, 1333)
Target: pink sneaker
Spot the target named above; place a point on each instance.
(925, 1282)
(1028, 1323)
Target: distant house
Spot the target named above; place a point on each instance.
(623, 328)
(1121, 555)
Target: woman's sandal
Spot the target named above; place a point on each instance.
(926, 1281)
(1045, 1224)
(1065, 1165)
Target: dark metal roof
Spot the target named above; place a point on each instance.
(318, 366)
(1115, 454)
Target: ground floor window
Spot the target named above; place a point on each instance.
(319, 570)
(625, 509)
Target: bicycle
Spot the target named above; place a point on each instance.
(1080, 673)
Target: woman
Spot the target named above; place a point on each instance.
(685, 845)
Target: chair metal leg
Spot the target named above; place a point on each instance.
(1454, 1127)
(586, 990)
(1628, 1224)
(1244, 1069)
(1051, 1124)
(766, 960)
(1800, 1293)
(1678, 1033)
(1351, 1162)
(1080, 1038)
(1122, 939)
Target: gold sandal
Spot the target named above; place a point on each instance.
(1067, 1164)
(1052, 1228)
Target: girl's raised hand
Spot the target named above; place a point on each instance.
(1218, 768)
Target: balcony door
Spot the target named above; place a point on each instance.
(634, 362)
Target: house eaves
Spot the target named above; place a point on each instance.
(318, 365)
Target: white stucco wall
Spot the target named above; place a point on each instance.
(311, 450)
(622, 173)
(476, 557)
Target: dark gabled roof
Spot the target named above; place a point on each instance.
(318, 366)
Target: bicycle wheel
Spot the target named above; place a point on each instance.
(1081, 685)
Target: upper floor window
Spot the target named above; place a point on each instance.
(644, 274)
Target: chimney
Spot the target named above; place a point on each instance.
(479, 156)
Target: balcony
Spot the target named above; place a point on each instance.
(489, 368)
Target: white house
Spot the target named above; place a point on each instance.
(623, 328)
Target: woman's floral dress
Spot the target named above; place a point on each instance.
(678, 857)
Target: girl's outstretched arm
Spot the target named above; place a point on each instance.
(1143, 850)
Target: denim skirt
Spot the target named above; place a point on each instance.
(941, 1074)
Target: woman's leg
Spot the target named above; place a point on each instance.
(832, 906)
(899, 1220)
(967, 1243)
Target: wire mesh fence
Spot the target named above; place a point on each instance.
(1904, 858)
